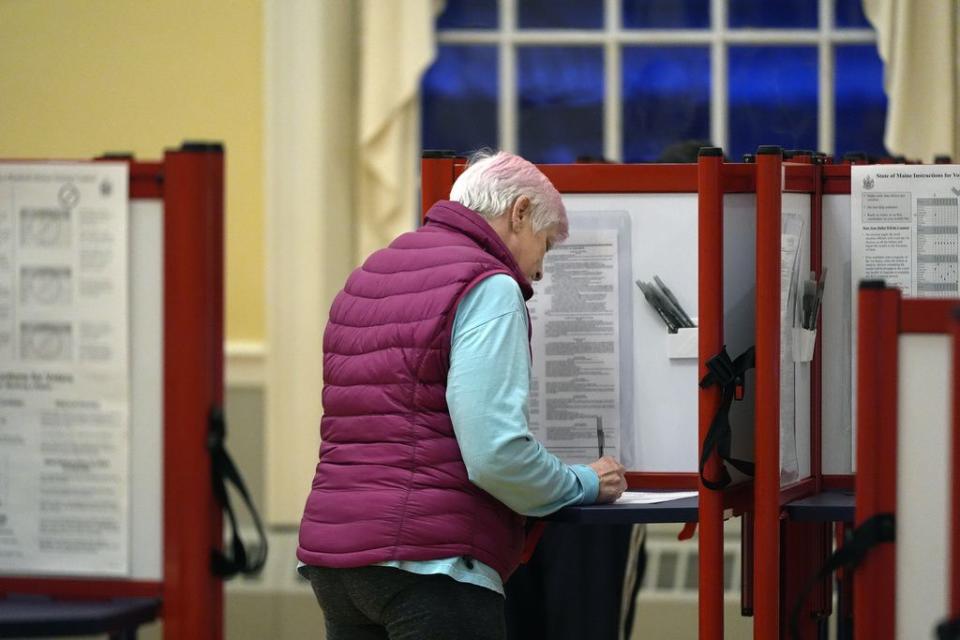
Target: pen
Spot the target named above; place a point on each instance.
(599, 436)
(809, 293)
(666, 306)
(645, 288)
(673, 300)
(818, 299)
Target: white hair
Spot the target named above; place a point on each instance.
(492, 182)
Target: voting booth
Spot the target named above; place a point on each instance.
(896, 222)
(605, 364)
(734, 242)
(596, 340)
(765, 255)
(906, 442)
(111, 329)
(787, 428)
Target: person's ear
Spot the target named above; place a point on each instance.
(520, 213)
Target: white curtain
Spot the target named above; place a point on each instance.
(397, 45)
(917, 41)
(341, 79)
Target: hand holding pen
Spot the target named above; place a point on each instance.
(613, 479)
(600, 437)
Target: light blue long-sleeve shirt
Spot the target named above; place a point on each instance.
(487, 387)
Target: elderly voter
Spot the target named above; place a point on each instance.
(427, 467)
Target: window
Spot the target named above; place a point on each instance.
(555, 80)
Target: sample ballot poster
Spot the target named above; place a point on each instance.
(904, 227)
(64, 405)
(575, 386)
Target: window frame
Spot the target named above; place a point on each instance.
(613, 37)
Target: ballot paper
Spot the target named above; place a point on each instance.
(652, 497)
(574, 400)
(64, 369)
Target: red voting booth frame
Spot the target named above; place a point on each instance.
(190, 182)
(785, 553)
(779, 556)
(439, 173)
(884, 316)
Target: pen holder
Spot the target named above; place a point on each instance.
(804, 341)
(684, 343)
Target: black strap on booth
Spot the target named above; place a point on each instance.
(877, 529)
(949, 630)
(223, 471)
(729, 376)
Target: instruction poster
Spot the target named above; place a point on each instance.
(574, 405)
(903, 230)
(64, 369)
(904, 227)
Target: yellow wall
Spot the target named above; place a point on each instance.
(80, 77)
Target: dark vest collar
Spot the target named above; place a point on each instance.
(456, 217)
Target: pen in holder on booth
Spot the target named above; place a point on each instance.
(812, 300)
(599, 436)
(665, 304)
(672, 299)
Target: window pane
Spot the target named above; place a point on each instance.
(861, 104)
(469, 14)
(560, 14)
(666, 99)
(460, 99)
(849, 14)
(781, 14)
(561, 102)
(773, 98)
(666, 14)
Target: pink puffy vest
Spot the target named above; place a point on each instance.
(391, 483)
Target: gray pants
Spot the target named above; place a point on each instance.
(383, 603)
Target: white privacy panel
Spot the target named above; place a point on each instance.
(794, 367)
(659, 387)
(836, 371)
(146, 384)
(923, 511)
(739, 308)
(660, 424)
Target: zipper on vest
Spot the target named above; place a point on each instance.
(467, 560)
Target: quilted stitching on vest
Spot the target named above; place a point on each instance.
(391, 484)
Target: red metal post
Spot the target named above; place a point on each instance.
(767, 414)
(436, 178)
(807, 548)
(665, 481)
(816, 367)
(877, 363)
(193, 385)
(710, 305)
